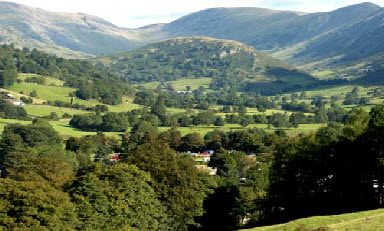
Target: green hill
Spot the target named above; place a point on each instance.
(228, 63)
(361, 221)
(334, 39)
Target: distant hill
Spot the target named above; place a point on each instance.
(343, 43)
(228, 63)
(298, 38)
(245, 24)
(74, 35)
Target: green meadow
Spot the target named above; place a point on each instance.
(362, 221)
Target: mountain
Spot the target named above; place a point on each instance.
(74, 35)
(241, 24)
(298, 38)
(342, 43)
(228, 63)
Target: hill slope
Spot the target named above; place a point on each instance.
(367, 221)
(299, 38)
(75, 35)
(346, 40)
(228, 63)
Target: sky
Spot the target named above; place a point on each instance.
(137, 13)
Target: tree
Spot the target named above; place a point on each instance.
(53, 116)
(192, 142)
(115, 122)
(142, 132)
(9, 75)
(374, 140)
(176, 180)
(219, 121)
(35, 134)
(356, 123)
(159, 108)
(49, 164)
(31, 205)
(33, 93)
(242, 111)
(204, 117)
(246, 120)
(279, 120)
(185, 121)
(227, 109)
(172, 137)
(119, 197)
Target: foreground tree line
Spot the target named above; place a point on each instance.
(262, 178)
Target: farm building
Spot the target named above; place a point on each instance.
(15, 102)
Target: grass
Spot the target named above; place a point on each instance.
(203, 130)
(254, 111)
(127, 105)
(44, 92)
(62, 127)
(324, 74)
(339, 90)
(48, 80)
(181, 84)
(45, 110)
(53, 93)
(362, 221)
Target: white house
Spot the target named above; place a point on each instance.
(16, 102)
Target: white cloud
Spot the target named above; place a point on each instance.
(135, 13)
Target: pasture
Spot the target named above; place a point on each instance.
(361, 221)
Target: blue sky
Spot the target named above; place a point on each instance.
(136, 13)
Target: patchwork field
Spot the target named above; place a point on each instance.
(53, 90)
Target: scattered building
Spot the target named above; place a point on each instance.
(114, 157)
(15, 102)
(10, 96)
(183, 92)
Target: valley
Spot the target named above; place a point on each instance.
(227, 118)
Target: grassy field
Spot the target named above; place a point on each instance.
(45, 110)
(48, 80)
(53, 93)
(339, 90)
(362, 221)
(182, 84)
(203, 130)
(324, 74)
(127, 105)
(44, 92)
(62, 127)
(254, 111)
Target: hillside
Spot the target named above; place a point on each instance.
(228, 63)
(367, 221)
(64, 34)
(346, 40)
(267, 29)
(327, 40)
(242, 24)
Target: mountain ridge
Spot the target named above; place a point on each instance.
(339, 39)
